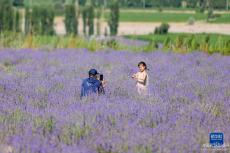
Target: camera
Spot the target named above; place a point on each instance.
(101, 78)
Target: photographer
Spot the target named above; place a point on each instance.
(93, 85)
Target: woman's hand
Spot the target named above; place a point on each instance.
(134, 76)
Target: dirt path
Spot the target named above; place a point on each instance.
(127, 28)
(145, 28)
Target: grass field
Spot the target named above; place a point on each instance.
(173, 36)
(224, 18)
(145, 16)
(41, 2)
(176, 42)
(15, 40)
(157, 17)
(185, 43)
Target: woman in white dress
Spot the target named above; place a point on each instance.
(142, 79)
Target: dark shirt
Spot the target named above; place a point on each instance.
(91, 86)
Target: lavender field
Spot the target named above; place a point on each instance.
(41, 110)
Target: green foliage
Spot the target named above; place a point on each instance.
(202, 4)
(181, 43)
(91, 19)
(6, 16)
(98, 16)
(8, 39)
(167, 43)
(50, 43)
(194, 44)
(73, 133)
(185, 43)
(192, 3)
(227, 47)
(17, 27)
(210, 14)
(144, 149)
(191, 21)
(101, 149)
(114, 17)
(49, 125)
(43, 3)
(47, 21)
(153, 45)
(84, 18)
(47, 42)
(27, 20)
(88, 16)
(217, 4)
(162, 29)
(13, 118)
(1, 18)
(82, 2)
(42, 20)
(18, 2)
(71, 21)
(150, 3)
(112, 44)
(35, 20)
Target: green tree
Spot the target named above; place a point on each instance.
(71, 21)
(27, 20)
(192, 3)
(220, 4)
(82, 2)
(1, 17)
(91, 19)
(18, 2)
(114, 17)
(84, 18)
(162, 29)
(99, 13)
(210, 14)
(47, 21)
(227, 4)
(88, 18)
(202, 4)
(35, 20)
(40, 21)
(17, 26)
(6, 16)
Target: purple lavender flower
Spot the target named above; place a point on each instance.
(41, 110)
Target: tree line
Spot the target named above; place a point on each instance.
(39, 19)
(218, 4)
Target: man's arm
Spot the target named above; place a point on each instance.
(101, 88)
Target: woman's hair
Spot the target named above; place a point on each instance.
(144, 64)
